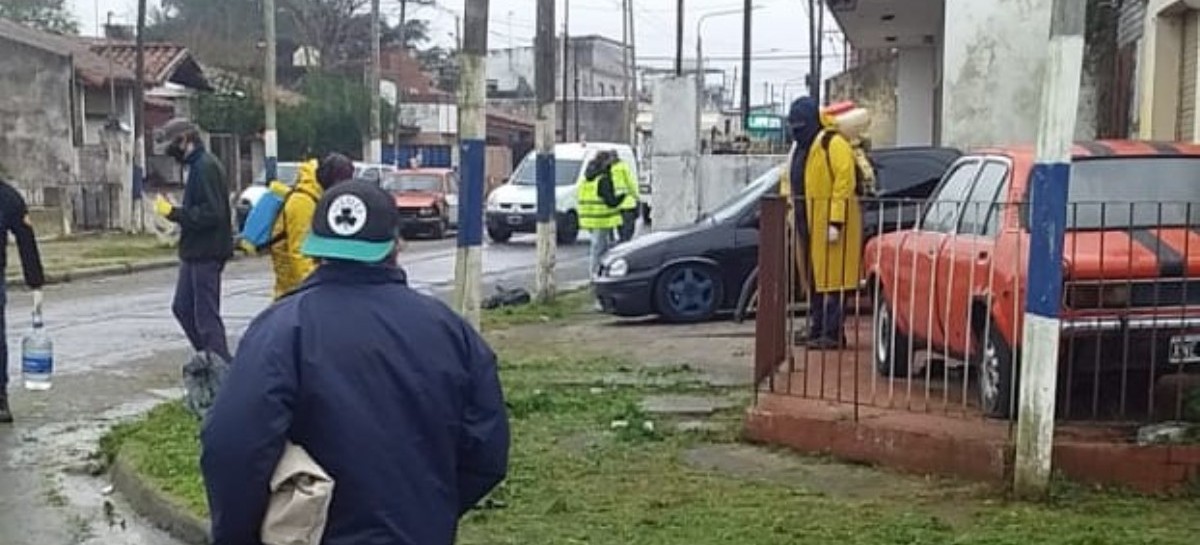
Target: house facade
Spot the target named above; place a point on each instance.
(1170, 46)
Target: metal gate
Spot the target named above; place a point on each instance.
(1186, 129)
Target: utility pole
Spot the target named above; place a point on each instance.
(375, 148)
(679, 39)
(1051, 174)
(566, 74)
(820, 62)
(139, 118)
(575, 74)
(746, 39)
(400, 88)
(270, 136)
(472, 136)
(544, 76)
(814, 69)
(625, 111)
(637, 102)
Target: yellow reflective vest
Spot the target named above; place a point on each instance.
(594, 214)
(625, 183)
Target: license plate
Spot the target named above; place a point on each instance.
(1185, 349)
(515, 220)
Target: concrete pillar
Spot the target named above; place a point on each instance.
(916, 77)
(676, 152)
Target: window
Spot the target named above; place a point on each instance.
(981, 215)
(944, 208)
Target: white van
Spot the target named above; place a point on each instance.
(512, 207)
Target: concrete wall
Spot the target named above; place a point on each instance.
(36, 146)
(596, 61)
(1159, 69)
(720, 177)
(600, 120)
(916, 79)
(993, 67)
(675, 153)
(873, 86)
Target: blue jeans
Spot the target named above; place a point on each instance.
(826, 318)
(197, 306)
(601, 242)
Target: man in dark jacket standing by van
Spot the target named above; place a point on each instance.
(205, 238)
(391, 393)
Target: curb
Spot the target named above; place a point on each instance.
(160, 510)
(119, 269)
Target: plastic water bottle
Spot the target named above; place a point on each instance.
(37, 356)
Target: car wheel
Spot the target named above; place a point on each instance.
(688, 293)
(748, 299)
(499, 235)
(438, 232)
(891, 346)
(997, 375)
(568, 228)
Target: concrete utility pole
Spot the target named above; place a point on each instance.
(1038, 383)
(270, 136)
(375, 147)
(625, 60)
(544, 76)
(472, 138)
(746, 43)
(139, 118)
(679, 39)
(566, 77)
(637, 102)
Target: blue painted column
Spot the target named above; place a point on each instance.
(1049, 181)
(472, 138)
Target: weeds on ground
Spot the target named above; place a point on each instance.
(566, 305)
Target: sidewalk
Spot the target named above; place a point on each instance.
(90, 256)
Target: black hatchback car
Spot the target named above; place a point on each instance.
(690, 274)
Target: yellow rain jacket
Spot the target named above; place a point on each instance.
(291, 228)
(830, 199)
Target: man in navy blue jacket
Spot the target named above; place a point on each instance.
(394, 395)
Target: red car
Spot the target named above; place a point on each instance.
(426, 197)
(956, 282)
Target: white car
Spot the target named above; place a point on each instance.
(286, 173)
(512, 207)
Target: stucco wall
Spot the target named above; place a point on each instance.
(916, 77)
(720, 177)
(36, 148)
(873, 86)
(599, 120)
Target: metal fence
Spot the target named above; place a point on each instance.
(933, 299)
(96, 207)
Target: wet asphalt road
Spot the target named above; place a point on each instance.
(118, 352)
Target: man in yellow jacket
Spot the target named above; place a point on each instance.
(295, 219)
(625, 183)
(822, 175)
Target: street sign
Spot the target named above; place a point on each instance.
(759, 122)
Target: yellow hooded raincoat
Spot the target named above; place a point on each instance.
(291, 228)
(829, 188)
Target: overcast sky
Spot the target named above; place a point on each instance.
(780, 30)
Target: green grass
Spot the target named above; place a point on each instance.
(165, 448)
(566, 305)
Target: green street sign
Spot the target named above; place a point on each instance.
(764, 123)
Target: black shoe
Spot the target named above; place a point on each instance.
(5, 414)
(823, 343)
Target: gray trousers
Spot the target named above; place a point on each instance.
(197, 306)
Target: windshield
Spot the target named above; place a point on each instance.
(285, 172)
(413, 183)
(1133, 193)
(566, 171)
(749, 196)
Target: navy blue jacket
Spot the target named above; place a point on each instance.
(394, 395)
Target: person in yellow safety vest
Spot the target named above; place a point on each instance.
(599, 206)
(291, 227)
(822, 174)
(625, 182)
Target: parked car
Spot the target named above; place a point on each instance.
(1130, 218)
(690, 274)
(372, 172)
(512, 207)
(427, 199)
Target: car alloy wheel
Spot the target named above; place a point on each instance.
(996, 369)
(689, 293)
(890, 352)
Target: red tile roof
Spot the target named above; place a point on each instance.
(162, 59)
(409, 76)
(93, 69)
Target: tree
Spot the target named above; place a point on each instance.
(50, 15)
(226, 32)
(325, 25)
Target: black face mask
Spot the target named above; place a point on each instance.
(175, 150)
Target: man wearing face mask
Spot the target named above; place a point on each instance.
(392, 393)
(205, 237)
